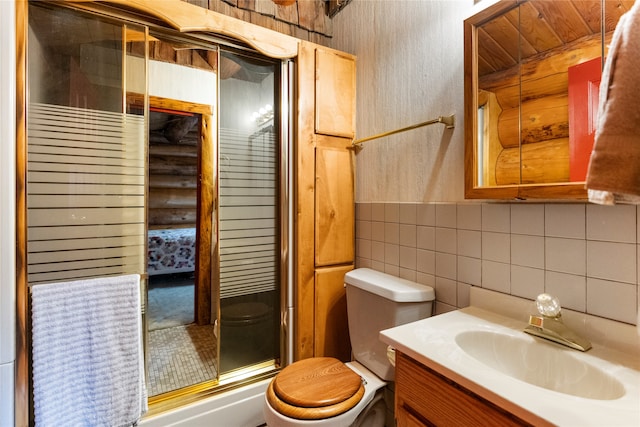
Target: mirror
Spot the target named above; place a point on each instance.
(532, 75)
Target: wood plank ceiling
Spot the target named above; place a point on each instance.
(544, 25)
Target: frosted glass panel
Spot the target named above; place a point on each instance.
(85, 200)
(86, 160)
(248, 213)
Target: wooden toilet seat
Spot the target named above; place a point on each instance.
(315, 388)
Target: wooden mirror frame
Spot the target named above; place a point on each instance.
(566, 191)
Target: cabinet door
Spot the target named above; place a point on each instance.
(331, 328)
(335, 206)
(335, 93)
(405, 419)
(433, 399)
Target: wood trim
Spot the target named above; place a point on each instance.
(137, 100)
(187, 18)
(305, 204)
(205, 228)
(22, 384)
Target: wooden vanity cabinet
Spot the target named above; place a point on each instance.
(426, 398)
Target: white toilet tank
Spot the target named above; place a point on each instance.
(377, 301)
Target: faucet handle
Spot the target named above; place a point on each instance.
(548, 305)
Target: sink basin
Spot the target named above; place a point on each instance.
(539, 363)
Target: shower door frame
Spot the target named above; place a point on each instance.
(271, 45)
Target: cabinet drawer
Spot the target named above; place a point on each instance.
(432, 399)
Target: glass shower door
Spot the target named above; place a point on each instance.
(249, 218)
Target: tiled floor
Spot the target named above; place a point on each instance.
(180, 356)
(180, 352)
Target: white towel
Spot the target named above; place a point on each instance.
(87, 352)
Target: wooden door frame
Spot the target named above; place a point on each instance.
(205, 228)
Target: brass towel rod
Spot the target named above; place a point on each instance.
(448, 121)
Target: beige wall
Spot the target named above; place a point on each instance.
(409, 70)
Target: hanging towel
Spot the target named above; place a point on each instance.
(87, 353)
(614, 168)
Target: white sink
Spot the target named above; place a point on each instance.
(539, 363)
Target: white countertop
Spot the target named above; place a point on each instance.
(432, 342)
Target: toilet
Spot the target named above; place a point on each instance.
(323, 391)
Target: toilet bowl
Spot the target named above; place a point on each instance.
(323, 391)
(247, 334)
(367, 410)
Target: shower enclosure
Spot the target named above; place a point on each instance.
(96, 204)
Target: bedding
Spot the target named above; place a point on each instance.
(171, 251)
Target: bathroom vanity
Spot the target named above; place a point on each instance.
(476, 366)
(425, 397)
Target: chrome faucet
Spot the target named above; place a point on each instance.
(549, 324)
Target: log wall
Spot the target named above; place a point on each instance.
(173, 173)
(533, 97)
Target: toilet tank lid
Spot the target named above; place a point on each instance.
(387, 286)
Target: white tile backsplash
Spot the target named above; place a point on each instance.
(377, 211)
(363, 211)
(564, 220)
(408, 274)
(426, 261)
(469, 243)
(496, 276)
(586, 255)
(426, 237)
(469, 217)
(611, 223)
(446, 265)
(446, 215)
(446, 240)
(565, 255)
(426, 214)
(408, 213)
(391, 254)
(496, 246)
(464, 292)
(377, 251)
(408, 236)
(392, 212)
(526, 282)
(408, 257)
(469, 270)
(392, 232)
(377, 231)
(570, 289)
(363, 248)
(447, 289)
(527, 219)
(527, 250)
(393, 270)
(612, 261)
(496, 217)
(612, 300)
(363, 229)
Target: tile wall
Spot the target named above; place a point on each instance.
(587, 255)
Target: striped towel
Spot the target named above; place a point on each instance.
(87, 352)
